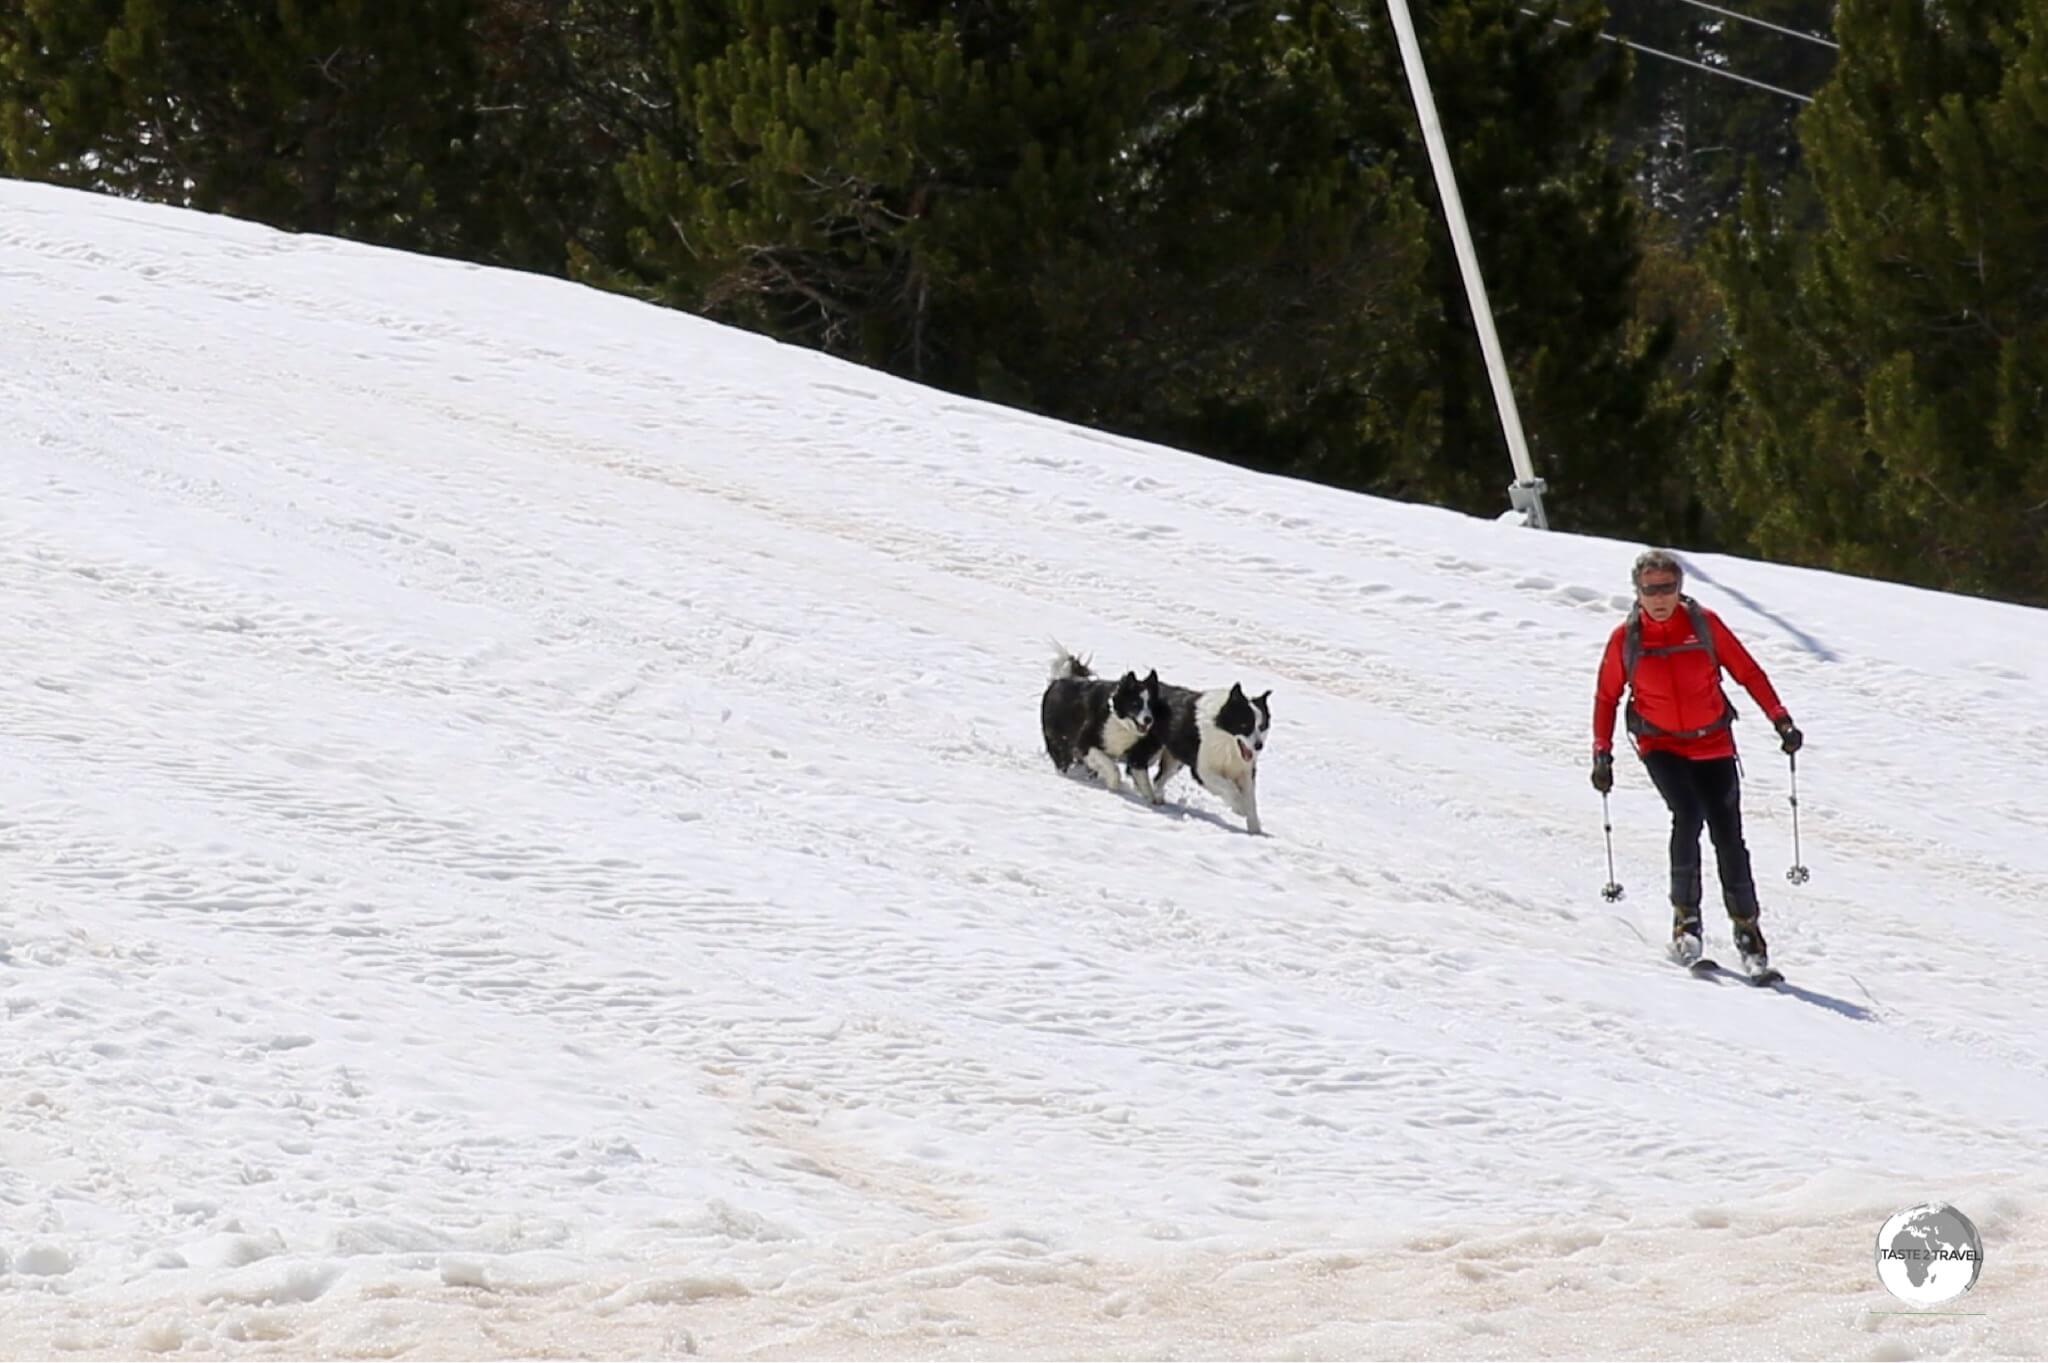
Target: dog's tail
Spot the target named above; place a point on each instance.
(1066, 665)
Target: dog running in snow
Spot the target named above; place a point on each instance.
(1092, 721)
(1217, 735)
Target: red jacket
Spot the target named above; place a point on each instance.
(1679, 691)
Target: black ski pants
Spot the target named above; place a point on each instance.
(1709, 793)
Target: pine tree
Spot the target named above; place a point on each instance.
(333, 116)
(569, 90)
(1688, 138)
(1151, 216)
(1893, 378)
(1252, 283)
(1693, 134)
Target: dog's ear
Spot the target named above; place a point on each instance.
(1152, 677)
(1237, 691)
(1263, 696)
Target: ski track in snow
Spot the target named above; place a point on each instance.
(522, 825)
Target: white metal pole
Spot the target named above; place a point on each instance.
(1525, 494)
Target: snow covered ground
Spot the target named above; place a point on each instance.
(523, 830)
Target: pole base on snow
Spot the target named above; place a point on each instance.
(1525, 500)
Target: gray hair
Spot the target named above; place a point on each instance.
(1654, 561)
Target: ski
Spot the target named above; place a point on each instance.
(1707, 968)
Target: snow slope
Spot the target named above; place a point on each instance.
(523, 828)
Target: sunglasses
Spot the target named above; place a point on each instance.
(1657, 588)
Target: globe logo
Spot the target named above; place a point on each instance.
(1929, 1254)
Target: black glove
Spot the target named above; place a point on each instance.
(1789, 732)
(1603, 772)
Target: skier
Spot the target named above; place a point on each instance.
(1669, 654)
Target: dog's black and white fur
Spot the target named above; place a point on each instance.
(1217, 735)
(1093, 721)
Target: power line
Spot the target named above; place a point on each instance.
(1722, 72)
(1765, 23)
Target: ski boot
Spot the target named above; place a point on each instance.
(1685, 934)
(1749, 940)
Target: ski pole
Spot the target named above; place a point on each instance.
(1612, 890)
(1798, 875)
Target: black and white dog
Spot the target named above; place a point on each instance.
(1093, 721)
(1217, 735)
